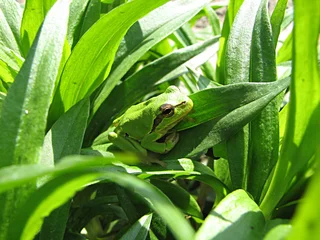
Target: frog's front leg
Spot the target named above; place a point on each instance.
(150, 142)
(126, 143)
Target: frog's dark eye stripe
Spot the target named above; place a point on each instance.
(167, 110)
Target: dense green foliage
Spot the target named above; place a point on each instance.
(247, 152)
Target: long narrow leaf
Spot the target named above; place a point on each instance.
(24, 111)
(82, 75)
(301, 135)
(145, 34)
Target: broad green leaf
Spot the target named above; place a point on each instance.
(238, 58)
(82, 75)
(12, 13)
(33, 16)
(264, 129)
(64, 138)
(59, 190)
(141, 82)
(277, 18)
(179, 197)
(236, 215)
(139, 230)
(7, 37)
(198, 139)
(145, 34)
(301, 136)
(24, 111)
(226, 99)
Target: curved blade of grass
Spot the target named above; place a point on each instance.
(186, 169)
(82, 75)
(24, 111)
(236, 215)
(264, 129)
(206, 135)
(140, 229)
(33, 16)
(143, 35)
(13, 15)
(277, 18)
(59, 190)
(301, 136)
(140, 83)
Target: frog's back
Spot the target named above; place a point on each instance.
(137, 120)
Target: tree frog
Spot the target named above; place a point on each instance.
(148, 125)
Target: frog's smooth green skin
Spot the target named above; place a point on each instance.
(142, 125)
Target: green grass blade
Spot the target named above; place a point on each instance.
(33, 16)
(77, 12)
(236, 215)
(285, 52)
(7, 38)
(140, 229)
(13, 15)
(301, 135)
(24, 111)
(81, 76)
(150, 29)
(264, 129)
(59, 190)
(277, 18)
(198, 139)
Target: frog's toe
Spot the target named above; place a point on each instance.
(171, 140)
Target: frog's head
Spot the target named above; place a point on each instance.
(174, 106)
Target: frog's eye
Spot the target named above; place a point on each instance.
(167, 110)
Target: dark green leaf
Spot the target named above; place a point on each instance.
(139, 230)
(208, 134)
(277, 18)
